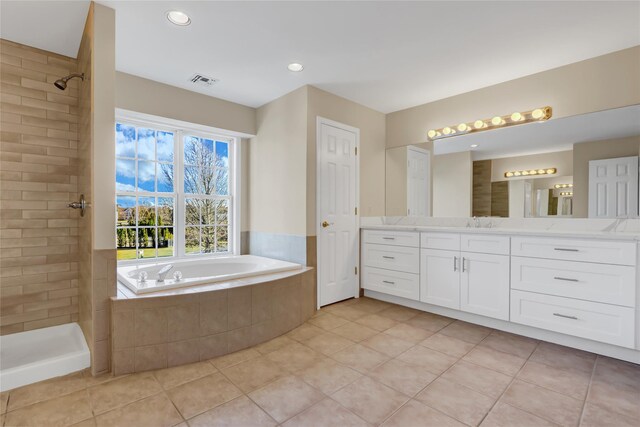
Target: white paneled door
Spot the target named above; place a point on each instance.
(418, 187)
(613, 188)
(337, 214)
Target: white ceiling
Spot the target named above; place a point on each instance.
(546, 137)
(55, 26)
(386, 55)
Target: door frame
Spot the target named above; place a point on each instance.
(319, 122)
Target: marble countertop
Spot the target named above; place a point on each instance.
(591, 234)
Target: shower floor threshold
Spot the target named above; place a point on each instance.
(32, 356)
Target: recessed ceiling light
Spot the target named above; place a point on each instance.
(178, 18)
(474, 146)
(295, 67)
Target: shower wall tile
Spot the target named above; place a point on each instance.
(39, 284)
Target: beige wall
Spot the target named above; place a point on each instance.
(596, 150)
(562, 160)
(277, 172)
(372, 150)
(601, 83)
(38, 177)
(452, 184)
(97, 255)
(147, 96)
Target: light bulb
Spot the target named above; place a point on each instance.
(516, 117)
(462, 127)
(509, 174)
(551, 171)
(533, 172)
(525, 173)
(478, 124)
(497, 120)
(541, 171)
(447, 130)
(537, 113)
(178, 18)
(432, 134)
(517, 173)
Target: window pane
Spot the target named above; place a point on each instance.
(165, 146)
(126, 238)
(192, 240)
(165, 211)
(199, 176)
(125, 140)
(146, 243)
(125, 175)
(146, 211)
(222, 212)
(165, 241)
(146, 176)
(208, 212)
(208, 239)
(222, 239)
(192, 212)
(222, 154)
(165, 178)
(126, 211)
(222, 181)
(146, 144)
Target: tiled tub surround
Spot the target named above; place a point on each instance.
(572, 282)
(38, 177)
(358, 363)
(187, 325)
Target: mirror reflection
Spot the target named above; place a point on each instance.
(583, 166)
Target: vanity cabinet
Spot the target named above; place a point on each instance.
(475, 280)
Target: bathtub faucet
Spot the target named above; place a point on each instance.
(163, 272)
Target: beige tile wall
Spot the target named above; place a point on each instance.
(159, 332)
(38, 177)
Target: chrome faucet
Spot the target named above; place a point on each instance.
(163, 272)
(476, 222)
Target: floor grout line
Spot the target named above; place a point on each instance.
(586, 397)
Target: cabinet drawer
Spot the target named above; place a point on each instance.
(397, 283)
(612, 284)
(397, 258)
(605, 252)
(595, 321)
(485, 244)
(446, 241)
(395, 238)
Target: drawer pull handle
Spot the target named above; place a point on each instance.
(565, 316)
(389, 238)
(388, 282)
(455, 263)
(566, 279)
(388, 257)
(566, 250)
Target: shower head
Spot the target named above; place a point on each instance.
(62, 83)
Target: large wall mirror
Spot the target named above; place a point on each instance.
(572, 167)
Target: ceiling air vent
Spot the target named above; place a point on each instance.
(201, 80)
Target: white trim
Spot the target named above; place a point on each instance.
(319, 122)
(628, 354)
(180, 129)
(168, 122)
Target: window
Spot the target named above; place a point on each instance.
(173, 192)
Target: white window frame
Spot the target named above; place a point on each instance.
(181, 129)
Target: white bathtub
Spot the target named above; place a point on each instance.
(29, 357)
(199, 271)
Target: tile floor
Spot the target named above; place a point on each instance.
(357, 363)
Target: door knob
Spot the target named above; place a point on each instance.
(325, 224)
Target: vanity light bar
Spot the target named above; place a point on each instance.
(558, 186)
(531, 172)
(517, 118)
(566, 193)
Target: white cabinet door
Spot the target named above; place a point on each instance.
(613, 188)
(418, 187)
(484, 284)
(440, 277)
